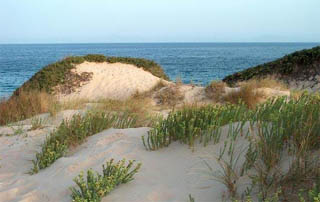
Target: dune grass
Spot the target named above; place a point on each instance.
(215, 90)
(247, 94)
(97, 186)
(24, 106)
(278, 128)
(192, 123)
(169, 96)
(73, 132)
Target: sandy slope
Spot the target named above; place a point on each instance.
(113, 81)
(169, 174)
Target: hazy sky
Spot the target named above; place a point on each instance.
(72, 21)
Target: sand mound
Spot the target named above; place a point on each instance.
(170, 174)
(112, 81)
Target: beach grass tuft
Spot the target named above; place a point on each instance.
(24, 106)
(96, 186)
(73, 132)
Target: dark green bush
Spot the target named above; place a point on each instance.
(289, 65)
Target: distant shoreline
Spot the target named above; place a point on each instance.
(67, 43)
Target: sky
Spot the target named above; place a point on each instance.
(121, 21)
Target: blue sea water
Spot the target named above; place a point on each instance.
(196, 62)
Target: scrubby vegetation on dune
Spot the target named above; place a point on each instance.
(278, 129)
(26, 105)
(291, 65)
(249, 92)
(74, 132)
(60, 72)
(97, 186)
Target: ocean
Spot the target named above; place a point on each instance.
(192, 62)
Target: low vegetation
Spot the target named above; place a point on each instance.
(192, 123)
(169, 96)
(290, 65)
(59, 73)
(249, 92)
(246, 94)
(74, 132)
(97, 186)
(24, 106)
(37, 123)
(278, 129)
(215, 90)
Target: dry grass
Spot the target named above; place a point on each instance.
(170, 96)
(247, 94)
(139, 107)
(73, 104)
(148, 94)
(25, 106)
(267, 82)
(215, 90)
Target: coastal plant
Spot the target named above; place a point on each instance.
(138, 107)
(291, 65)
(215, 90)
(284, 127)
(36, 123)
(73, 132)
(278, 128)
(191, 199)
(170, 95)
(313, 195)
(24, 106)
(229, 172)
(247, 94)
(97, 185)
(18, 130)
(192, 123)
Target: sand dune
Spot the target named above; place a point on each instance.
(169, 174)
(166, 175)
(112, 81)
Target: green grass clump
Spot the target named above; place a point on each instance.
(193, 123)
(272, 132)
(57, 73)
(97, 186)
(290, 65)
(74, 132)
(281, 128)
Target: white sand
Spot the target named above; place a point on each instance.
(169, 174)
(112, 81)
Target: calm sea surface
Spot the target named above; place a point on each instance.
(196, 62)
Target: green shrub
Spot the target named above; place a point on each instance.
(193, 123)
(291, 65)
(97, 186)
(278, 128)
(74, 132)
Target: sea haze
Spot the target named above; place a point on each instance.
(196, 62)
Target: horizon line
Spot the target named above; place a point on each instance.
(57, 43)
